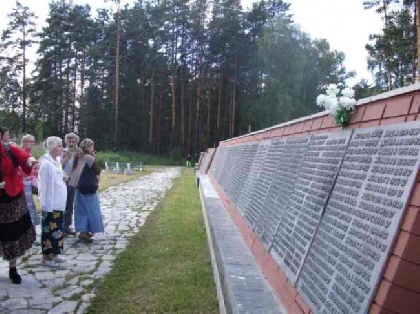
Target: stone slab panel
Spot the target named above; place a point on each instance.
(303, 210)
(361, 220)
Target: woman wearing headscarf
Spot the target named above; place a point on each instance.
(17, 232)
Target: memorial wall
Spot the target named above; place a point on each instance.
(327, 207)
(206, 159)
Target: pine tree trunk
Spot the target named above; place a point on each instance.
(152, 101)
(73, 108)
(182, 109)
(197, 115)
(82, 80)
(232, 130)
(219, 105)
(60, 122)
(117, 79)
(173, 124)
(208, 116)
(24, 82)
(67, 109)
(389, 71)
(159, 125)
(189, 122)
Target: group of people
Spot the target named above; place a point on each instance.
(59, 178)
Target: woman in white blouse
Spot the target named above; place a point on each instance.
(52, 196)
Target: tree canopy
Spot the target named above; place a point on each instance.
(190, 73)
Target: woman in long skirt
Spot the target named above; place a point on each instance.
(87, 211)
(17, 232)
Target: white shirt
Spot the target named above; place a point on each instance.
(52, 190)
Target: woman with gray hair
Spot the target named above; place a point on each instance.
(52, 196)
(30, 181)
(87, 211)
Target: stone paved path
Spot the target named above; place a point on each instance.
(70, 288)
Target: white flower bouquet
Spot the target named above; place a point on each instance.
(340, 103)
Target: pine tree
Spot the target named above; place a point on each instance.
(19, 36)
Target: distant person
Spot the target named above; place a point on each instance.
(87, 210)
(67, 160)
(52, 196)
(188, 163)
(30, 181)
(17, 233)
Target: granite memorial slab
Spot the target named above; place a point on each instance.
(244, 198)
(303, 211)
(361, 219)
(290, 157)
(260, 188)
(243, 170)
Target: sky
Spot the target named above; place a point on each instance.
(344, 23)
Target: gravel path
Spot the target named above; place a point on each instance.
(70, 288)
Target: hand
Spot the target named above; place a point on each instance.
(31, 161)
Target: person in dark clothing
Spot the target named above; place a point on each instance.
(188, 163)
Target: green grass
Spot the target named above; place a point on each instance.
(166, 267)
(133, 157)
(126, 156)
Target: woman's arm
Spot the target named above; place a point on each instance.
(21, 158)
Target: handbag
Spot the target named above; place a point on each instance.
(88, 183)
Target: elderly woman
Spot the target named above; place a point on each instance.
(52, 196)
(87, 212)
(67, 160)
(16, 230)
(30, 181)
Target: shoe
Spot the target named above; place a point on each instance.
(90, 235)
(50, 263)
(85, 239)
(71, 232)
(14, 276)
(58, 259)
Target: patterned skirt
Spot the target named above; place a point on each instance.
(52, 234)
(17, 234)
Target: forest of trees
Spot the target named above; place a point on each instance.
(176, 76)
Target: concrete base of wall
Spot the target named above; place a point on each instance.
(241, 286)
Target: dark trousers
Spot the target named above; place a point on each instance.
(68, 214)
